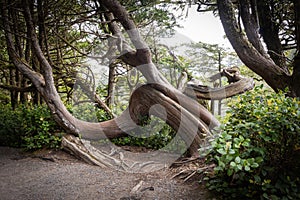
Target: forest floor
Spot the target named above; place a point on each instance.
(50, 175)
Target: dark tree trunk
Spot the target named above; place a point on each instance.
(296, 72)
(250, 22)
(13, 94)
(111, 85)
(269, 30)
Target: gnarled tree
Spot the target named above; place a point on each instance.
(158, 97)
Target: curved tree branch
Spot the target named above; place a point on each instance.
(30, 88)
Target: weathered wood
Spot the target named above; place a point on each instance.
(117, 158)
(237, 85)
(208, 93)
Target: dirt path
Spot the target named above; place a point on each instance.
(57, 175)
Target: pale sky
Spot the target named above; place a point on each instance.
(203, 27)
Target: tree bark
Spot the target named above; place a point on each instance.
(250, 22)
(111, 86)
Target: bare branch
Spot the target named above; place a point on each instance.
(18, 89)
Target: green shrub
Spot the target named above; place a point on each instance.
(257, 151)
(40, 130)
(28, 127)
(155, 134)
(10, 127)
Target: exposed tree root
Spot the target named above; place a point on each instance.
(119, 160)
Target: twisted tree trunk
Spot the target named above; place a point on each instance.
(158, 97)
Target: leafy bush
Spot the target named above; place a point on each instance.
(155, 134)
(10, 126)
(257, 151)
(28, 127)
(40, 130)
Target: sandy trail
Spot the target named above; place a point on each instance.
(58, 175)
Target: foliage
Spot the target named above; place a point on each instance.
(10, 127)
(29, 127)
(40, 130)
(88, 112)
(4, 96)
(155, 135)
(161, 14)
(256, 151)
(245, 71)
(170, 64)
